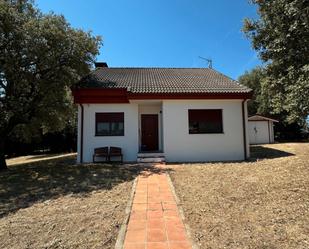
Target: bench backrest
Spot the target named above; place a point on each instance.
(115, 150)
(102, 150)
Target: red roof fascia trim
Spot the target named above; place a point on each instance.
(93, 95)
(190, 95)
(120, 95)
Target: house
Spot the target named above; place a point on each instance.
(261, 130)
(178, 114)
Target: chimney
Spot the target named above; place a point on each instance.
(100, 64)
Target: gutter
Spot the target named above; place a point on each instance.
(244, 128)
(82, 134)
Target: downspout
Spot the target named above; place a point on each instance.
(81, 133)
(244, 128)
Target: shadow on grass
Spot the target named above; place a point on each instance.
(261, 152)
(257, 152)
(26, 184)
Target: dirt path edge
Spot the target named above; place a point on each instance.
(122, 231)
(181, 212)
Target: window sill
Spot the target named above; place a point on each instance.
(199, 133)
(96, 135)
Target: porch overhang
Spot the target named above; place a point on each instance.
(98, 95)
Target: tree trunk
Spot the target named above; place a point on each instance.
(2, 157)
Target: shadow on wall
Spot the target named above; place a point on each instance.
(26, 184)
(262, 152)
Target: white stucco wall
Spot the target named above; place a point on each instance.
(180, 146)
(174, 138)
(261, 132)
(128, 142)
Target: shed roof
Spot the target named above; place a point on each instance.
(261, 118)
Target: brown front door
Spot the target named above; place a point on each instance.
(150, 133)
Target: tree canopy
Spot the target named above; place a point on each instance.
(41, 57)
(253, 79)
(281, 37)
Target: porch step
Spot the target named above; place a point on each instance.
(150, 158)
(152, 154)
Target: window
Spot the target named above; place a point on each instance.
(205, 121)
(109, 124)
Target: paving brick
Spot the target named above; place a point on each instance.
(139, 206)
(156, 235)
(154, 214)
(137, 224)
(157, 245)
(136, 236)
(156, 223)
(173, 223)
(171, 213)
(135, 245)
(179, 245)
(154, 206)
(176, 234)
(138, 215)
(169, 206)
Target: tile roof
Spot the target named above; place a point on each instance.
(162, 80)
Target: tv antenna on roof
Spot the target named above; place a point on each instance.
(208, 60)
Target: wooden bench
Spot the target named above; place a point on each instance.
(115, 152)
(101, 152)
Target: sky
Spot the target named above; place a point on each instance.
(165, 33)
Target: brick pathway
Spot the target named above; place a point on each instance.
(154, 220)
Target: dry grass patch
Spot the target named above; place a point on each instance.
(263, 203)
(57, 204)
(35, 158)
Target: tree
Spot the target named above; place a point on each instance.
(281, 36)
(253, 79)
(41, 57)
(260, 104)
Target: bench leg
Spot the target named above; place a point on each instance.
(121, 160)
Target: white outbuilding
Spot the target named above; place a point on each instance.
(261, 130)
